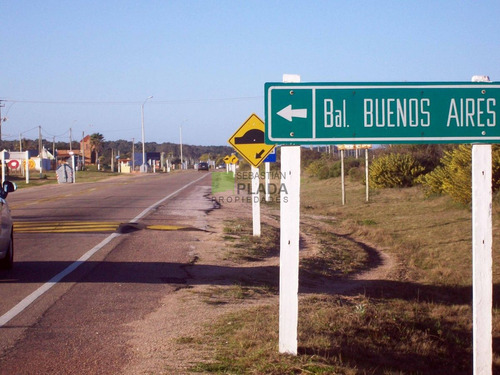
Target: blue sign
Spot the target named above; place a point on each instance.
(271, 157)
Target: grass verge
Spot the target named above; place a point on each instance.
(416, 321)
(246, 247)
(49, 177)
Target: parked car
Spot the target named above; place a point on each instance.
(203, 166)
(6, 228)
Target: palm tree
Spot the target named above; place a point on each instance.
(96, 141)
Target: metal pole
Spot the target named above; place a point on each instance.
(143, 145)
(143, 166)
(180, 140)
(133, 154)
(40, 150)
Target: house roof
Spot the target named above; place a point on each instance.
(66, 153)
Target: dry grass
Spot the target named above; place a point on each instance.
(417, 321)
(430, 237)
(245, 246)
(49, 177)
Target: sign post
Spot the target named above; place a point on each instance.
(248, 140)
(227, 162)
(271, 158)
(233, 161)
(289, 245)
(255, 202)
(4, 164)
(27, 167)
(482, 261)
(356, 147)
(367, 176)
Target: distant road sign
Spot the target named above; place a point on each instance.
(352, 113)
(248, 140)
(354, 147)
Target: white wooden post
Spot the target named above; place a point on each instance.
(255, 202)
(27, 167)
(482, 262)
(74, 168)
(367, 176)
(289, 244)
(267, 172)
(289, 249)
(342, 175)
(3, 166)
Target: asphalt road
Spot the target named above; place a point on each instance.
(82, 271)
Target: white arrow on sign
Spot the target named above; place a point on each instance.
(288, 113)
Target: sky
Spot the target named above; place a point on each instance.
(90, 66)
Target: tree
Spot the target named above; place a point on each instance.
(96, 141)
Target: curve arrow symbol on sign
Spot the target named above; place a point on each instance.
(288, 113)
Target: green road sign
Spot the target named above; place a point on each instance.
(354, 113)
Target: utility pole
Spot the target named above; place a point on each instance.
(133, 154)
(40, 150)
(180, 139)
(143, 166)
(70, 140)
(54, 151)
(82, 166)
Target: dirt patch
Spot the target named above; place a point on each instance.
(213, 287)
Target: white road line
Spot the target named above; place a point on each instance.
(146, 211)
(16, 310)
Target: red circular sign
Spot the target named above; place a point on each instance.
(13, 164)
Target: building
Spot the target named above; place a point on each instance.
(89, 156)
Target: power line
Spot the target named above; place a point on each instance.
(171, 101)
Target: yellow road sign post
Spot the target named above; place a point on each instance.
(248, 140)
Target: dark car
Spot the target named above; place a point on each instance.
(203, 166)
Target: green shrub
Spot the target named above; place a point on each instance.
(350, 163)
(335, 169)
(394, 170)
(315, 166)
(453, 177)
(357, 174)
(428, 155)
(323, 172)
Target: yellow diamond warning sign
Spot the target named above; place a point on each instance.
(248, 140)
